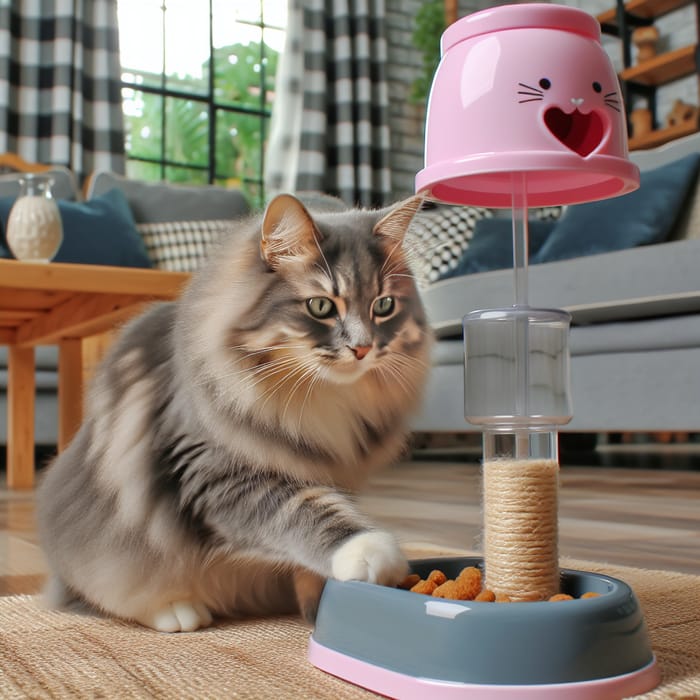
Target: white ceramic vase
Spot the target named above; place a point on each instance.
(34, 228)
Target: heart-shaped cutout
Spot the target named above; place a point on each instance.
(580, 132)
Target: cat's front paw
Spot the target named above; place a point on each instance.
(370, 556)
(180, 616)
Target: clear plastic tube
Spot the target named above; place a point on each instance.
(520, 237)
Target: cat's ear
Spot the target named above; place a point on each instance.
(288, 232)
(395, 224)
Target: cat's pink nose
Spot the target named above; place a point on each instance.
(361, 350)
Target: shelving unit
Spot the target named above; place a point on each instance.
(643, 9)
(663, 68)
(643, 79)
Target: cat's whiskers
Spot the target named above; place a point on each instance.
(400, 275)
(315, 380)
(310, 372)
(276, 374)
(398, 244)
(328, 270)
(308, 376)
(403, 361)
(256, 368)
(282, 368)
(392, 377)
(325, 273)
(395, 364)
(398, 270)
(257, 372)
(405, 357)
(263, 349)
(248, 354)
(299, 367)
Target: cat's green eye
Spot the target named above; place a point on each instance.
(384, 306)
(321, 307)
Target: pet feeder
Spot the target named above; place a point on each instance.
(525, 110)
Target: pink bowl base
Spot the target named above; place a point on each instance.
(398, 685)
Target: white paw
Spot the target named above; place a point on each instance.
(181, 616)
(370, 556)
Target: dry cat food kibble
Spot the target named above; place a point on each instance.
(467, 586)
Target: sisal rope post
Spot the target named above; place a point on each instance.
(521, 527)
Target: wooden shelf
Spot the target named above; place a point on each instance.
(646, 9)
(661, 136)
(643, 79)
(662, 68)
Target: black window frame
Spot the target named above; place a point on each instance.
(214, 107)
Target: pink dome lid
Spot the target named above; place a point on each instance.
(525, 89)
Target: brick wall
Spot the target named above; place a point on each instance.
(407, 117)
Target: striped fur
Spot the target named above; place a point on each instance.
(225, 433)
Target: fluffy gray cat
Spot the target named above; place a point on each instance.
(225, 432)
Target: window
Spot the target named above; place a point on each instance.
(197, 88)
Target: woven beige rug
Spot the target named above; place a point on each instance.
(48, 654)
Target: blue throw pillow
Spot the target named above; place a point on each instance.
(491, 246)
(644, 216)
(100, 231)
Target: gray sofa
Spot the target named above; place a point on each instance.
(635, 337)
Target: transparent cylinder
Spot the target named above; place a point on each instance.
(517, 367)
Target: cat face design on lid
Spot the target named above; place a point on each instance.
(579, 122)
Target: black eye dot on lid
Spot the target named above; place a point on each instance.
(545, 84)
(597, 87)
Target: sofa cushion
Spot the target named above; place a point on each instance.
(98, 232)
(491, 246)
(159, 201)
(645, 216)
(438, 236)
(180, 246)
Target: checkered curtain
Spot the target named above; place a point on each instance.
(60, 97)
(330, 119)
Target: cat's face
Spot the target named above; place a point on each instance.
(341, 303)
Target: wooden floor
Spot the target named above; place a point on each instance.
(629, 516)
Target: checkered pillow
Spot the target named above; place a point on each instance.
(438, 237)
(547, 213)
(180, 246)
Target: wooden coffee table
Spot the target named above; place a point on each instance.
(71, 306)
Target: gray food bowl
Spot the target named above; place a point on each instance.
(408, 645)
